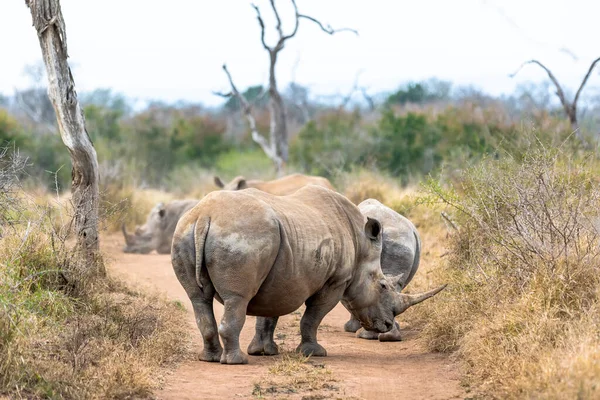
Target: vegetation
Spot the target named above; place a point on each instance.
(64, 338)
(522, 307)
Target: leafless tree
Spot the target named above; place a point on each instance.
(50, 26)
(569, 107)
(276, 148)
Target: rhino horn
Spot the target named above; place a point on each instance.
(404, 301)
(129, 240)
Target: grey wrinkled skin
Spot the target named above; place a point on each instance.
(157, 232)
(264, 255)
(401, 249)
(400, 258)
(280, 187)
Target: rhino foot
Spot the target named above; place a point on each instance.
(236, 357)
(311, 349)
(266, 348)
(352, 325)
(391, 336)
(211, 356)
(365, 334)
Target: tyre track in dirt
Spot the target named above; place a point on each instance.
(361, 369)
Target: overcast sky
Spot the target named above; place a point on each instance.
(173, 50)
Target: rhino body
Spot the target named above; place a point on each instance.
(265, 255)
(280, 187)
(400, 257)
(157, 232)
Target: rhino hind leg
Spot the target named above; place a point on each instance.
(352, 325)
(263, 344)
(317, 307)
(391, 336)
(231, 325)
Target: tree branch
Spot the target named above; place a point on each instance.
(262, 27)
(559, 91)
(585, 79)
(327, 29)
(247, 111)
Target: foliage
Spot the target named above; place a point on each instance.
(524, 276)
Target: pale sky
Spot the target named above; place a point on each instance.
(171, 50)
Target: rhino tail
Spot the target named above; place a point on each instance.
(200, 232)
(417, 259)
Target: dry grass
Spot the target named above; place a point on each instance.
(521, 309)
(294, 375)
(84, 341)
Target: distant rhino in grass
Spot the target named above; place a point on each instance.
(400, 258)
(280, 187)
(265, 255)
(157, 232)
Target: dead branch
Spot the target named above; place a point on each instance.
(450, 221)
(50, 26)
(247, 111)
(569, 107)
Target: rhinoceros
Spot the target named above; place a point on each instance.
(264, 255)
(157, 232)
(400, 257)
(282, 186)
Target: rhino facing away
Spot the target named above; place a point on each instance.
(264, 255)
(282, 186)
(157, 232)
(400, 257)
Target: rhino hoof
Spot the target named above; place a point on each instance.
(257, 348)
(352, 326)
(237, 357)
(369, 335)
(311, 349)
(391, 336)
(211, 356)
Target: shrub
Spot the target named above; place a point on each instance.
(524, 277)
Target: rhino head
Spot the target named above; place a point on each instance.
(146, 237)
(372, 297)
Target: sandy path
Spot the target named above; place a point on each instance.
(361, 369)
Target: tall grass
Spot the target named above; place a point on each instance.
(522, 307)
(63, 338)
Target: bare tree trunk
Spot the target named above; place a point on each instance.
(48, 21)
(279, 130)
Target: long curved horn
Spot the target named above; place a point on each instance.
(128, 239)
(404, 301)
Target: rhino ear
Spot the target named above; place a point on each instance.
(373, 229)
(242, 184)
(161, 210)
(219, 182)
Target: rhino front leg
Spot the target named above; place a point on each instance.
(317, 307)
(263, 344)
(232, 323)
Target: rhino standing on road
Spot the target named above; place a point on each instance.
(157, 232)
(265, 255)
(280, 187)
(400, 258)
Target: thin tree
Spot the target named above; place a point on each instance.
(50, 26)
(569, 107)
(276, 148)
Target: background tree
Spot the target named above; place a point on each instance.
(276, 148)
(569, 107)
(50, 26)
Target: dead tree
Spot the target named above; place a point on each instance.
(569, 107)
(276, 148)
(50, 26)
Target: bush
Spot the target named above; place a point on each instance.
(524, 277)
(96, 339)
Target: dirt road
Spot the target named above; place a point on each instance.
(358, 368)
